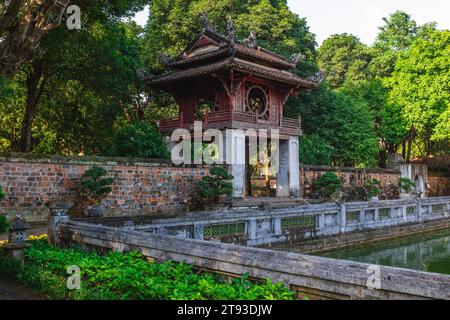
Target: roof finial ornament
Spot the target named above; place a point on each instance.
(251, 40)
(297, 57)
(207, 25)
(164, 59)
(231, 30)
(143, 74)
(318, 77)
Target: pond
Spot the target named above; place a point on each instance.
(429, 253)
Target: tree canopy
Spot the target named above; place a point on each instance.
(72, 91)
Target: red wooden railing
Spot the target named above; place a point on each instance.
(224, 116)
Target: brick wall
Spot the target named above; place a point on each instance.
(139, 187)
(353, 180)
(438, 184)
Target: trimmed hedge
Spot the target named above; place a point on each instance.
(126, 276)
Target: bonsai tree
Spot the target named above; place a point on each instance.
(94, 187)
(327, 185)
(216, 184)
(407, 185)
(372, 188)
(3, 221)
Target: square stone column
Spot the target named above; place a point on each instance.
(235, 157)
(294, 167)
(283, 170)
(288, 178)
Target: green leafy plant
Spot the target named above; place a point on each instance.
(94, 187)
(4, 225)
(139, 140)
(216, 184)
(128, 276)
(406, 184)
(372, 188)
(327, 185)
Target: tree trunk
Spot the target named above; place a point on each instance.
(35, 87)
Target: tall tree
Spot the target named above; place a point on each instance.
(344, 59)
(97, 57)
(338, 124)
(420, 85)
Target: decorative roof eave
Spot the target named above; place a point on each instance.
(245, 49)
(234, 64)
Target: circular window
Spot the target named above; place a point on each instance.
(257, 101)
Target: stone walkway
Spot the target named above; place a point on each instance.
(12, 291)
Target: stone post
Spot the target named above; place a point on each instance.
(59, 212)
(342, 217)
(251, 229)
(283, 170)
(321, 221)
(419, 209)
(277, 227)
(294, 167)
(198, 231)
(236, 154)
(362, 219)
(17, 237)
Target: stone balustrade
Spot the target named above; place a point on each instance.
(310, 276)
(260, 227)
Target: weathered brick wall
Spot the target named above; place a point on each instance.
(438, 184)
(353, 180)
(139, 187)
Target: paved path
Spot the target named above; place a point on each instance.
(12, 291)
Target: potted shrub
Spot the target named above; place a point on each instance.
(327, 185)
(94, 187)
(407, 187)
(216, 187)
(3, 220)
(372, 188)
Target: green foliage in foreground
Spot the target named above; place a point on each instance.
(4, 225)
(3, 221)
(126, 276)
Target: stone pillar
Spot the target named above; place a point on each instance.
(283, 170)
(251, 229)
(277, 227)
(235, 154)
(294, 167)
(59, 212)
(342, 218)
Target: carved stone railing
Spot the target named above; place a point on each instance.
(310, 276)
(256, 227)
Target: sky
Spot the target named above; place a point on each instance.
(359, 17)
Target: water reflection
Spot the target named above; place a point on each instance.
(428, 253)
